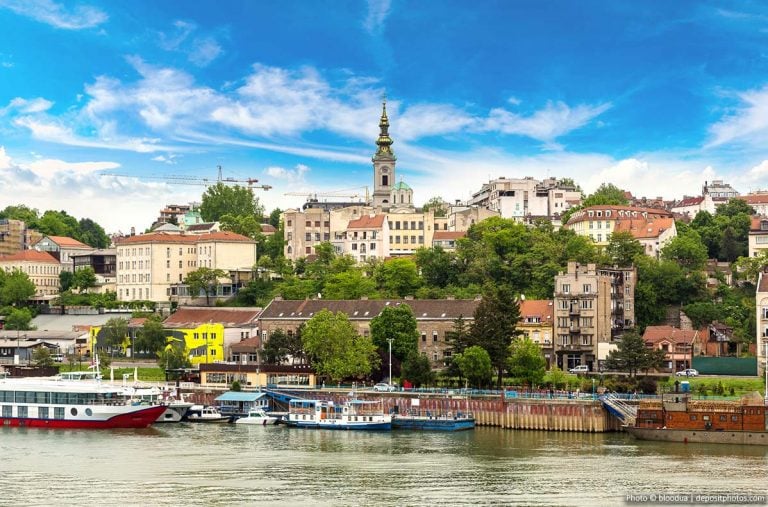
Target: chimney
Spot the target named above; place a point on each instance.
(133, 231)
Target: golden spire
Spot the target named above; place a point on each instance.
(384, 142)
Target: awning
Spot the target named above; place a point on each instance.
(240, 396)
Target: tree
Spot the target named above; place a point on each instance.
(632, 355)
(495, 322)
(348, 285)
(84, 278)
(730, 246)
(687, 250)
(459, 337)
(151, 338)
(335, 349)
(173, 357)
(41, 357)
(475, 366)
(438, 268)
(417, 369)
(91, 233)
(19, 319)
(245, 225)
(556, 377)
(17, 288)
(397, 277)
(113, 334)
(437, 204)
(623, 249)
(66, 279)
(398, 324)
(274, 218)
(58, 223)
(222, 199)
(280, 346)
(204, 280)
(526, 362)
(21, 212)
(606, 194)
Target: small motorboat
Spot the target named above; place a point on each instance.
(206, 414)
(257, 416)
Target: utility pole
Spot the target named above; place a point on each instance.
(390, 359)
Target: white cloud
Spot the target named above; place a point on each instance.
(201, 50)
(51, 167)
(59, 16)
(5, 160)
(36, 105)
(747, 124)
(378, 10)
(294, 176)
(555, 120)
(204, 51)
(169, 158)
(423, 120)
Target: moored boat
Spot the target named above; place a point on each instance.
(206, 414)
(677, 417)
(351, 415)
(257, 416)
(57, 403)
(175, 409)
(431, 420)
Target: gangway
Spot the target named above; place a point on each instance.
(620, 409)
(282, 396)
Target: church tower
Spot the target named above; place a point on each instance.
(383, 164)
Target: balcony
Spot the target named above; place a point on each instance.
(574, 329)
(575, 347)
(574, 310)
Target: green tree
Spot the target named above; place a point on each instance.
(687, 250)
(58, 223)
(274, 218)
(438, 268)
(399, 325)
(495, 322)
(173, 357)
(66, 280)
(459, 337)
(397, 277)
(556, 377)
(526, 362)
(21, 212)
(475, 366)
(152, 337)
(245, 225)
(623, 249)
(92, 234)
(417, 369)
(19, 319)
(113, 334)
(437, 204)
(335, 349)
(350, 284)
(204, 280)
(42, 357)
(17, 288)
(84, 279)
(222, 199)
(281, 346)
(257, 292)
(730, 246)
(632, 355)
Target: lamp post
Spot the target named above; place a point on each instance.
(389, 340)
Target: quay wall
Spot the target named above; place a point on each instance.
(575, 415)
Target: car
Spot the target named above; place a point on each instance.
(383, 387)
(58, 358)
(582, 368)
(688, 372)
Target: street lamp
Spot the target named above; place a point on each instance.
(389, 340)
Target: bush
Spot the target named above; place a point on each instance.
(647, 385)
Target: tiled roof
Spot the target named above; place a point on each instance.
(583, 214)
(754, 225)
(762, 282)
(66, 242)
(542, 308)
(367, 222)
(247, 345)
(447, 235)
(192, 316)
(365, 309)
(657, 334)
(268, 228)
(30, 256)
(755, 198)
(641, 228)
(201, 227)
(159, 237)
(689, 201)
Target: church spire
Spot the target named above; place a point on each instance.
(384, 142)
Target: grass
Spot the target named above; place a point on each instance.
(146, 374)
(712, 386)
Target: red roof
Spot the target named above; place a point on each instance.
(164, 237)
(689, 201)
(641, 228)
(542, 308)
(443, 235)
(367, 222)
(30, 256)
(583, 214)
(755, 198)
(658, 334)
(193, 316)
(66, 242)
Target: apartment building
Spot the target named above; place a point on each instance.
(304, 230)
(434, 318)
(761, 313)
(15, 237)
(149, 266)
(599, 222)
(537, 324)
(593, 307)
(524, 199)
(653, 233)
(366, 238)
(103, 262)
(462, 217)
(42, 268)
(63, 248)
(758, 201)
(410, 230)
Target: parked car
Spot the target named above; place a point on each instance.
(688, 372)
(582, 368)
(58, 358)
(384, 387)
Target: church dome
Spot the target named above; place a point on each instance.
(401, 185)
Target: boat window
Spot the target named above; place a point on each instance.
(694, 417)
(723, 418)
(734, 418)
(58, 412)
(23, 411)
(42, 413)
(7, 411)
(73, 411)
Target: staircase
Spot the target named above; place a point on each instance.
(620, 409)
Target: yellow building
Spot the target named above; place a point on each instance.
(41, 267)
(599, 222)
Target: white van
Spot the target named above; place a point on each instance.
(582, 368)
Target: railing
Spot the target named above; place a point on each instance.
(625, 412)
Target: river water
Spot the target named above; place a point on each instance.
(199, 464)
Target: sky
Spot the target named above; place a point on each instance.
(104, 104)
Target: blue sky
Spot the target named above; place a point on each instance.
(656, 97)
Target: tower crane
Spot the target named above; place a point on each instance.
(190, 180)
(335, 193)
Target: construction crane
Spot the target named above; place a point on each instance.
(189, 180)
(335, 193)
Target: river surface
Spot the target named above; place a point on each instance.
(199, 464)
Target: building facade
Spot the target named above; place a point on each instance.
(537, 324)
(63, 248)
(150, 265)
(593, 307)
(525, 199)
(599, 222)
(42, 268)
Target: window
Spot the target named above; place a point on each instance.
(42, 413)
(308, 223)
(180, 264)
(434, 336)
(58, 412)
(308, 250)
(167, 252)
(423, 337)
(586, 304)
(317, 236)
(373, 246)
(308, 236)
(566, 288)
(290, 223)
(405, 225)
(587, 288)
(585, 340)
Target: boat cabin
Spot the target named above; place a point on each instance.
(680, 411)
